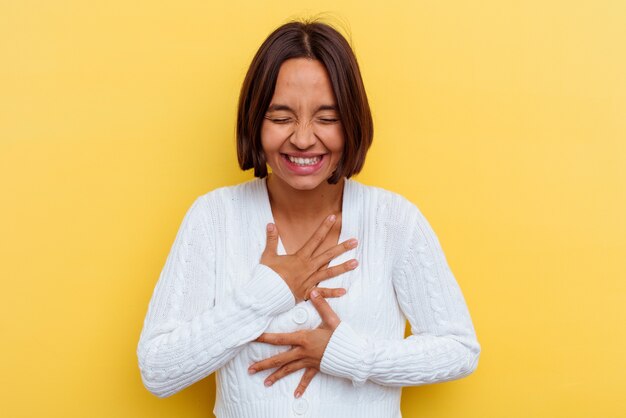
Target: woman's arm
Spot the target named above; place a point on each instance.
(443, 345)
(185, 335)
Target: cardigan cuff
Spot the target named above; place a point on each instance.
(267, 292)
(344, 355)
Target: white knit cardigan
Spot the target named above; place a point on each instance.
(213, 298)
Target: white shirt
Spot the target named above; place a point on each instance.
(213, 298)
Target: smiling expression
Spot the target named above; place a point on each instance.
(301, 135)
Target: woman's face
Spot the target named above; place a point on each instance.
(301, 134)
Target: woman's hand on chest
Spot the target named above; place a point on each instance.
(303, 271)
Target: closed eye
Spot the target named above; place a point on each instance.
(278, 120)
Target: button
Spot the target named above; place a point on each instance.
(300, 406)
(300, 315)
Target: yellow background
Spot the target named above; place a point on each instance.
(504, 121)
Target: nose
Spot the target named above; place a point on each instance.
(303, 136)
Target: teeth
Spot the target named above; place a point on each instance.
(304, 161)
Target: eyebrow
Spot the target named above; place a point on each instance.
(277, 107)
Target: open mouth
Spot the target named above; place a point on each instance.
(304, 162)
(304, 165)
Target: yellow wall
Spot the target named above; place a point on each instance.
(504, 121)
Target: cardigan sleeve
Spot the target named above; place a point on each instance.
(186, 336)
(442, 345)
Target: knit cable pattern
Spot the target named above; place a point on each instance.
(185, 336)
(442, 346)
(213, 299)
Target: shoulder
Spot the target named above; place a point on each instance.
(401, 220)
(213, 205)
(221, 197)
(229, 192)
(395, 207)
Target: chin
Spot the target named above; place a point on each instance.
(305, 183)
(302, 182)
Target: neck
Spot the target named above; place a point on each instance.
(296, 204)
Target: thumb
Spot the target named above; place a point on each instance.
(329, 317)
(271, 243)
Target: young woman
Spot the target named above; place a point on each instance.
(295, 286)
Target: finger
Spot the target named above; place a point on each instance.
(288, 338)
(284, 371)
(327, 314)
(326, 256)
(318, 237)
(271, 243)
(276, 361)
(331, 293)
(331, 272)
(304, 382)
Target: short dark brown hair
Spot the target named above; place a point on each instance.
(314, 40)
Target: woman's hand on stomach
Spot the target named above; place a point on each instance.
(307, 347)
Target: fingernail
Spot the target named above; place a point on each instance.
(298, 394)
(353, 242)
(268, 383)
(314, 293)
(353, 263)
(332, 218)
(342, 291)
(251, 371)
(270, 227)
